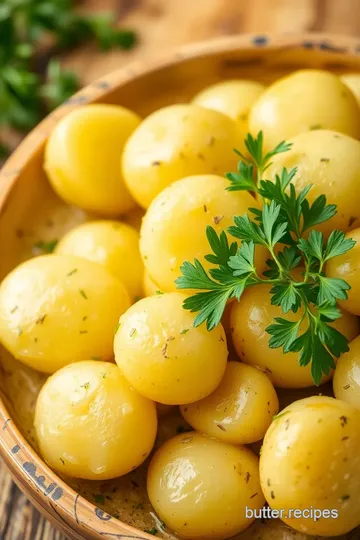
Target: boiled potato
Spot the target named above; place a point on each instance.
(347, 267)
(200, 487)
(163, 356)
(241, 408)
(177, 141)
(165, 243)
(112, 244)
(330, 162)
(91, 424)
(250, 317)
(57, 309)
(83, 158)
(149, 286)
(352, 81)
(347, 375)
(233, 98)
(305, 100)
(310, 459)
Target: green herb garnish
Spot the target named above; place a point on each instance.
(30, 84)
(284, 226)
(152, 531)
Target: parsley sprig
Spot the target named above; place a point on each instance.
(32, 31)
(284, 226)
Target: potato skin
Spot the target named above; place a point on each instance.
(91, 424)
(182, 479)
(302, 101)
(166, 240)
(57, 309)
(320, 157)
(82, 158)
(175, 142)
(347, 267)
(347, 375)
(163, 356)
(310, 458)
(248, 321)
(112, 244)
(239, 411)
(233, 98)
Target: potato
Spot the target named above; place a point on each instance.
(149, 286)
(249, 319)
(330, 162)
(166, 240)
(310, 459)
(352, 81)
(347, 267)
(177, 141)
(82, 158)
(303, 101)
(347, 375)
(57, 309)
(91, 424)
(233, 98)
(112, 244)
(163, 356)
(239, 411)
(200, 487)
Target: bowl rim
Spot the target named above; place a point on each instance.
(49, 492)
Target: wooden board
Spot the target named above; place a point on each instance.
(163, 25)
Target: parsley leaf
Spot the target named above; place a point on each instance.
(279, 226)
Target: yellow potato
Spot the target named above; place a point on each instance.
(330, 162)
(177, 141)
(200, 487)
(149, 286)
(57, 309)
(163, 356)
(112, 244)
(83, 158)
(347, 375)
(166, 240)
(239, 411)
(310, 459)
(233, 98)
(91, 424)
(347, 267)
(249, 319)
(303, 101)
(352, 81)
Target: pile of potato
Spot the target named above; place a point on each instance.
(108, 293)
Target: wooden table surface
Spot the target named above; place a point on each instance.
(162, 25)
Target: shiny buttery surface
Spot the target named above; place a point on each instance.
(57, 309)
(77, 169)
(163, 356)
(175, 142)
(241, 408)
(310, 457)
(200, 486)
(320, 157)
(112, 244)
(91, 424)
(302, 101)
(174, 228)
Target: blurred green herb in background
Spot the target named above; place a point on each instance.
(30, 83)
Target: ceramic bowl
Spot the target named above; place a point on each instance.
(30, 211)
